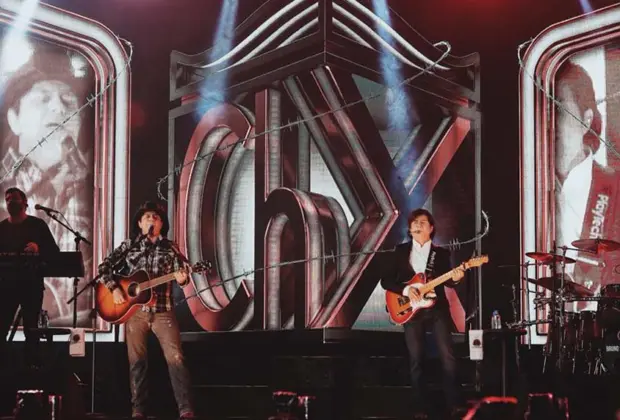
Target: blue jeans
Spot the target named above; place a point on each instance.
(165, 327)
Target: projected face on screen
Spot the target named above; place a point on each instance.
(41, 111)
(38, 99)
(585, 182)
(574, 119)
(570, 155)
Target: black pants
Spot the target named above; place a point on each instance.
(438, 321)
(28, 294)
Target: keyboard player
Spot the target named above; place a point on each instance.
(21, 233)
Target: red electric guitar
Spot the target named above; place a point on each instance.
(137, 291)
(402, 309)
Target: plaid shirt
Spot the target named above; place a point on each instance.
(157, 259)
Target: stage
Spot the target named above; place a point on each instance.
(287, 146)
(350, 374)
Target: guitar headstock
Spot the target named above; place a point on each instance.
(202, 266)
(476, 262)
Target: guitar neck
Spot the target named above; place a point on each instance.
(157, 281)
(440, 280)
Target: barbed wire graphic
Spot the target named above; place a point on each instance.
(177, 170)
(330, 257)
(456, 244)
(89, 102)
(247, 273)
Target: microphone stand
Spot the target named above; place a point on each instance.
(98, 276)
(513, 302)
(78, 239)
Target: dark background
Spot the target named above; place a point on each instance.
(493, 28)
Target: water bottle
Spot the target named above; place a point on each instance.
(496, 320)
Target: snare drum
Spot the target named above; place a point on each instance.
(609, 310)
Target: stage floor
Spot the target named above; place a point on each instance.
(353, 374)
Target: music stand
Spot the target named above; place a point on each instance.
(78, 239)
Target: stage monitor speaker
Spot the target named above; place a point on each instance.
(476, 344)
(77, 343)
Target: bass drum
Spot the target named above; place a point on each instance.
(611, 352)
(609, 309)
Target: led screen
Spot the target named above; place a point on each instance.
(42, 86)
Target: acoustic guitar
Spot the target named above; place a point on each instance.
(402, 309)
(137, 291)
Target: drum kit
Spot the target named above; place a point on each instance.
(576, 341)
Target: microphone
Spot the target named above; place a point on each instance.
(145, 235)
(45, 209)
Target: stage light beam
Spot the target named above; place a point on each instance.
(213, 89)
(16, 50)
(398, 103)
(586, 6)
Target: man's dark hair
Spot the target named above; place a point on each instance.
(577, 79)
(47, 63)
(422, 212)
(16, 190)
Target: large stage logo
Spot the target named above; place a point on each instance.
(333, 187)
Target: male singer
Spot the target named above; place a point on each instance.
(151, 251)
(422, 256)
(22, 234)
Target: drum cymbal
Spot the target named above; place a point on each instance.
(553, 283)
(596, 245)
(548, 258)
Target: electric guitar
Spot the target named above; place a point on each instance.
(402, 309)
(137, 291)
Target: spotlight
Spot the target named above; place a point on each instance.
(16, 50)
(30, 405)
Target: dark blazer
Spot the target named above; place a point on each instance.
(398, 270)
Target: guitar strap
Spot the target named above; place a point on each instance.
(430, 265)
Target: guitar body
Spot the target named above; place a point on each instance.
(134, 298)
(401, 308)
